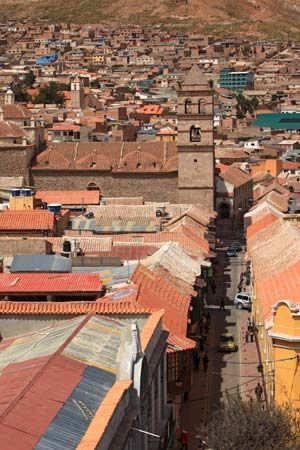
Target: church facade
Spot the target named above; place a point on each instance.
(157, 171)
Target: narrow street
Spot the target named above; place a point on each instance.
(224, 369)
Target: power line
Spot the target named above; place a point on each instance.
(217, 394)
(261, 362)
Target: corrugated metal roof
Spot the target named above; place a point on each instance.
(116, 226)
(36, 345)
(56, 385)
(116, 275)
(41, 263)
(72, 421)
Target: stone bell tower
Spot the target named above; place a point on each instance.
(77, 93)
(196, 181)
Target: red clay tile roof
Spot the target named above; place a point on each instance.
(138, 156)
(22, 283)
(16, 112)
(150, 109)
(261, 224)
(150, 327)
(191, 245)
(156, 292)
(74, 308)
(177, 344)
(10, 130)
(26, 220)
(64, 127)
(69, 197)
(235, 176)
(274, 251)
(284, 285)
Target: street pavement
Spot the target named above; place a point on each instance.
(224, 370)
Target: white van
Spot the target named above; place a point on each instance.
(242, 300)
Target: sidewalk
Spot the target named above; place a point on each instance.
(249, 373)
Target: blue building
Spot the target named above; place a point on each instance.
(236, 81)
(47, 59)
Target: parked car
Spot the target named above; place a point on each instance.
(227, 343)
(231, 252)
(242, 301)
(237, 246)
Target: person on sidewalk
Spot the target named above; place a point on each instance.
(222, 304)
(184, 440)
(213, 287)
(249, 325)
(251, 336)
(205, 362)
(247, 336)
(196, 359)
(258, 392)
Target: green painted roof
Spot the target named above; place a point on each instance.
(278, 121)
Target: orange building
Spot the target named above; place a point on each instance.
(271, 166)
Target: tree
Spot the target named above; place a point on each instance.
(20, 93)
(254, 102)
(50, 94)
(250, 426)
(29, 79)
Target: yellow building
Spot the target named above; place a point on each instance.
(273, 246)
(285, 335)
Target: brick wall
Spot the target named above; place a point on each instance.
(153, 187)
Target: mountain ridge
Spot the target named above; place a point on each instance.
(277, 17)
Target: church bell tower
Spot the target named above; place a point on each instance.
(196, 182)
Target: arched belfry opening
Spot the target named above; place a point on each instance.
(188, 106)
(195, 134)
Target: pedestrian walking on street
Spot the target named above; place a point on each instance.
(201, 345)
(258, 392)
(247, 336)
(205, 362)
(184, 440)
(213, 287)
(239, 287)
(249, 324)
(222, 304)
(208, 319)
(196, 359)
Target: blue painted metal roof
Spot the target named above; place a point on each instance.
(278, 121)
(41, 263)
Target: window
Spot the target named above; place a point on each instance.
(195, 134)
(201, 107)
(187, 106)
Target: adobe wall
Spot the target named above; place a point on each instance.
(153, 187)
(14, 162)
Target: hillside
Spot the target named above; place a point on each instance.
(252, 17)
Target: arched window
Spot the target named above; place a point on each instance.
(201, 106)
(195, 134)
(92, 187)
(187, 106)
